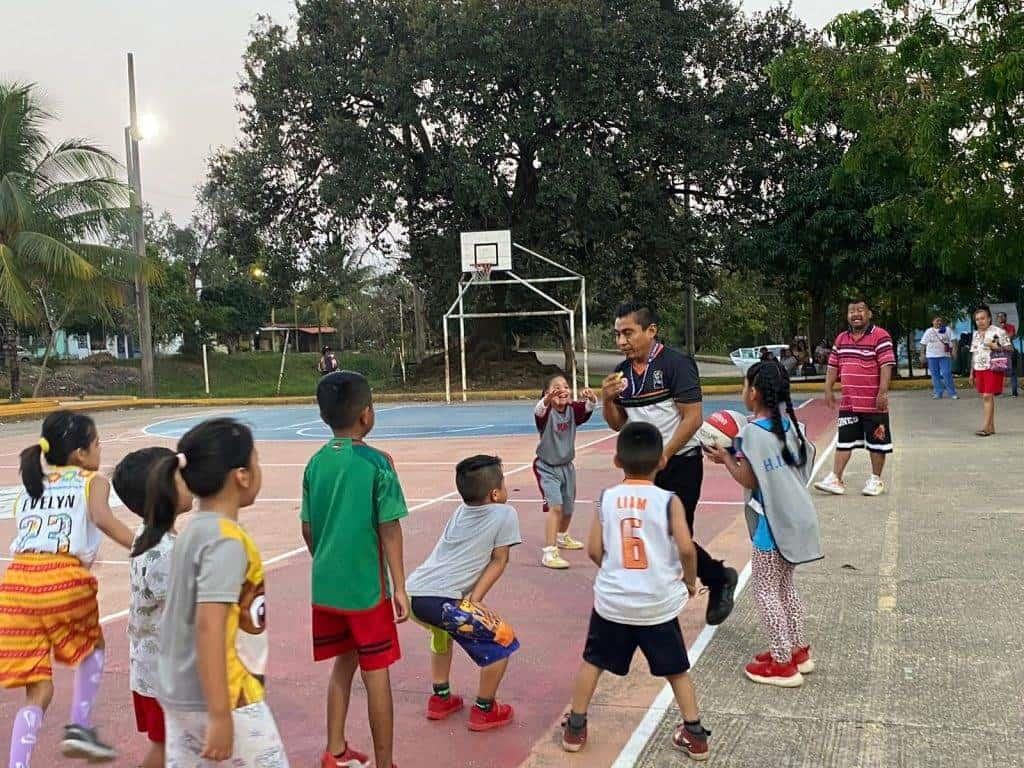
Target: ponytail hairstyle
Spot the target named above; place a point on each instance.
(63, 433)
(770, 379)
(206, 455)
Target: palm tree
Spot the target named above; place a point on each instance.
(58, 204)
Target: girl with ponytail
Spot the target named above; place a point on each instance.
(213, 647)
(773, 462)
(48, 596)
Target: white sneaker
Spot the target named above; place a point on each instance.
(565, 541)
(831, 484)
(551, 559)
(874, 486)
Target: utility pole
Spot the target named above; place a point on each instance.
(141, 281)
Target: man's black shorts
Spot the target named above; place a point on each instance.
(610, 646)
(864, 430)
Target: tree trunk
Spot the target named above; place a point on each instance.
(568, 353)
(420, 322)
(10, 339)
(46, 359)
(816, 330)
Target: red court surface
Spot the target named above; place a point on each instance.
(548, 609)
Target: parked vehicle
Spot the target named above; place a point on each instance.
(24, 355)
(745, 357)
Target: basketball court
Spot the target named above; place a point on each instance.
(548, 609)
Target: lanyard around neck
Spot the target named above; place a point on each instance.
(655, 350)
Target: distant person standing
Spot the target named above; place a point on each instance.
(937, 343)
(328, 362)
(990, 356)
(863, 359)
(1011, 332)
(661, 386)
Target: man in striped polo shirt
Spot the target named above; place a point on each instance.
(863, 359)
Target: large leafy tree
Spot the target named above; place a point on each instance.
(58, 204)
(619, 137)
(927, 100)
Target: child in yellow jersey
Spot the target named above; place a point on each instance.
(212, 635)
(48, 605)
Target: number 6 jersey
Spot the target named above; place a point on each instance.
(640, 579)
(58, 522)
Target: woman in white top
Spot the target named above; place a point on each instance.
(937, 343)
(989, 347)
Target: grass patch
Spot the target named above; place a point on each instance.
(252, 374)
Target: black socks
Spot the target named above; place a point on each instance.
(577, 722)
(484, 704)
(442, 690)
(695, 728)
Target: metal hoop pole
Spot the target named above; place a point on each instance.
(447, 366)
(586, 344)
(462, 345)
(572, 345)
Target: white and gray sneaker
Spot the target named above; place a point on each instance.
(85, 743)
(874, 486)
(831, 484)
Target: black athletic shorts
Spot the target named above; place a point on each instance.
(610, 646)
(864, 430)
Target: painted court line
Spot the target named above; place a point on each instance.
(299, 550)
(649, 724)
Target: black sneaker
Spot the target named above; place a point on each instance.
(720, 600)
(84, 743)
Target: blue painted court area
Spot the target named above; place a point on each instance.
(394, 422)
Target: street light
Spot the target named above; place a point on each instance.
(149, 127)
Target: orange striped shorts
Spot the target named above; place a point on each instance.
(47, 603)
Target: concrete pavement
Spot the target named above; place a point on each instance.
(916, 616)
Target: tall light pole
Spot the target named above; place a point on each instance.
(131, 136)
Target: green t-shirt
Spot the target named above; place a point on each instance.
(348, 490)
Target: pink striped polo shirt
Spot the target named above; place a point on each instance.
(859, 361)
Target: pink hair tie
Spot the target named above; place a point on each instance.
(182, 461)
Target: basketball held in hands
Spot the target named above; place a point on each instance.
(721, 428)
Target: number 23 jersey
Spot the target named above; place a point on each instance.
(58, 522)
(640, 579)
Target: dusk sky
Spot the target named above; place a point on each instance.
(187, 60)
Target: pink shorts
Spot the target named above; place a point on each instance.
(989, 382)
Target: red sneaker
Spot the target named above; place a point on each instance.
(440, 707)
(496, 717)
(690, 744)
(347, 759)
(772, 672)
(573, 740)
(801, 657)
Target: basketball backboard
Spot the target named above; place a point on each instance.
(492, 248)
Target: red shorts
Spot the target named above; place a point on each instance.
(371, 633)
(149, 717)
(989, 382)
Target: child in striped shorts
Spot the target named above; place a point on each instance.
(48, 605)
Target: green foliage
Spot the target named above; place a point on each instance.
(621, 138)
(57, 202)
(928, 107)
(233, 311)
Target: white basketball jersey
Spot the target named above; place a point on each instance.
(58, 522)
(640, 579)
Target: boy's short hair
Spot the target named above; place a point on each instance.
(639, 448)
(342, 396)
(477, 476)
(132, 473)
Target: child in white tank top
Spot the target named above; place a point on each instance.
(47, 595)
(647, 567)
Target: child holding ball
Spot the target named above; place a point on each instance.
(773, 462)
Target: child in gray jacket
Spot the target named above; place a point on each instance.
(773, 462)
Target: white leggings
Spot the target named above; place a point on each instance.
(257, 743)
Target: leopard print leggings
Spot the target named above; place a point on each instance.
(780, 606)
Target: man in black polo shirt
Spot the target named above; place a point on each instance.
(661, 386)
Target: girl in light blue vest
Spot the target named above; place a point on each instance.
(773, 462)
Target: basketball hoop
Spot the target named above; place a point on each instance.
(482, 272)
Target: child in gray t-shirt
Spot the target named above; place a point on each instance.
(557, 417)
(448, 589)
